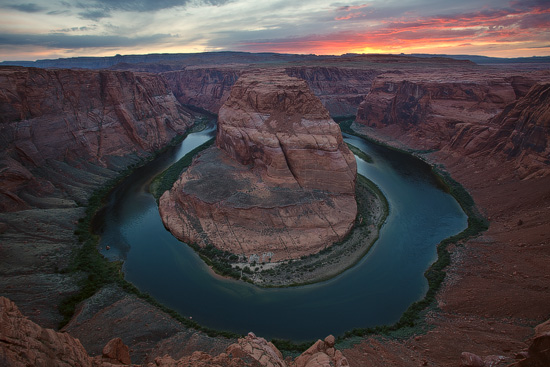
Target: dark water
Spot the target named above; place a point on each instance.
(376, 291)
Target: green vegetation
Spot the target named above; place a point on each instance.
(93, 271)
(412, 319)
(219, 260)
(358, 152)
(166, 179)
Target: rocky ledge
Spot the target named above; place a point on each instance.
(24, 343)
(280, 182)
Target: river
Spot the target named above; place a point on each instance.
(374, 292)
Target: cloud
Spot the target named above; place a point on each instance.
(27, 8)
(144, 5)
(63, 41)
(95, 15)
(99, 9)
(528, 23)
(74, 29)
(542, 46)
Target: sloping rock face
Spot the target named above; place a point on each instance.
(77, 117)
(280, 183)
(24, 343)
(521, 133)
(429, 106)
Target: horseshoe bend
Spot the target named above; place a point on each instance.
(278, 185)
(66, 133)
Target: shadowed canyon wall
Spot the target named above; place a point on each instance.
(77, 117)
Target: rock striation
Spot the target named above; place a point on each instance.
(430, 106)
(280, 182)
(77, 117)
(521, 133)
(496, 116)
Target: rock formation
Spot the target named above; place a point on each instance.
(431, 105)
(204, 87)
(279, 185)
(482, 116)
(77, 117)
(538, 353)
(521, 132)
(24, 343)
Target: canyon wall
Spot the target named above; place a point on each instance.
(77, 117)
(341, 90)
(430, 106)
(207, 88)
(482, 114)
(280, 183)
(520, 133)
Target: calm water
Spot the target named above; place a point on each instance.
(376, 291)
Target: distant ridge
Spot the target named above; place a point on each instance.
(168, 61)
(182, 59)
(491, 60)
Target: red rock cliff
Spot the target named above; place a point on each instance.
(78, 116)
(520, 133)
(280, 185)
(340, 89)
(429, 106)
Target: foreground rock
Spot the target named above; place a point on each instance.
(280, 183)
(24, 343)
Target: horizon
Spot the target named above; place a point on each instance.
(283, 53)
(43, 29)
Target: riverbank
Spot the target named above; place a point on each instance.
(372, 207)
(496, 285)
(372, 212)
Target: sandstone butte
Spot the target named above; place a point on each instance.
(280, 182)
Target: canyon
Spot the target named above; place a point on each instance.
(66, 132)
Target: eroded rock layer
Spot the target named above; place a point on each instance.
(280, 183)
(74, 118)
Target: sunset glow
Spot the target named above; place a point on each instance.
(52, 29)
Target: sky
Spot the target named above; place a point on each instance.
(43, 29)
